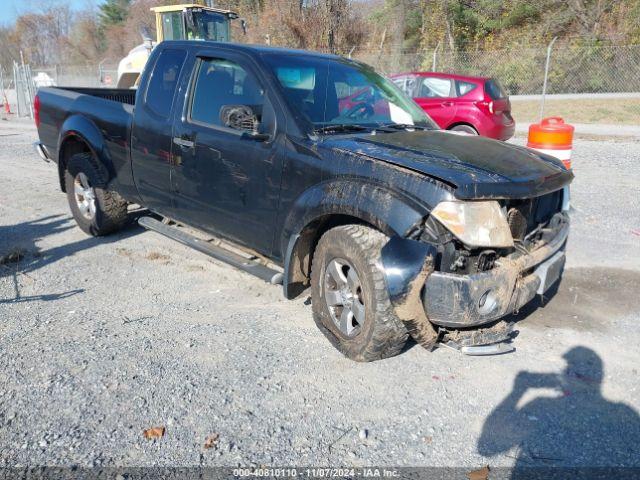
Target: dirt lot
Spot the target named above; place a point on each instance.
(103, 338)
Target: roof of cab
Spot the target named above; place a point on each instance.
(249, 48)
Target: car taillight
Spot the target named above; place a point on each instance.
(36, 110)
(486, 105)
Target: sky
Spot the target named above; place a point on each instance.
(10, 9)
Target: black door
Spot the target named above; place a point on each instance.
(227, 168)
(151, 137)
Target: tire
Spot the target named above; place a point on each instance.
(96, 210)
(380, 334)
(464, 128)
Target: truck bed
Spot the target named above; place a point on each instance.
(120, 95)
(109, 109)
(101, 113)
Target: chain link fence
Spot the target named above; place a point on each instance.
(76, 75)
(598, 69)
(19, 85)
(572, 69)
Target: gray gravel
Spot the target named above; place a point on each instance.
(101, 339)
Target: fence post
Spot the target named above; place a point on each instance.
(3, 94)
(2, 83)
(27, 86)
(18, 86)
(546, 76)
(435, 56)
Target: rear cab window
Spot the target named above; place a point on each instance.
(494, 89)
(163, 81)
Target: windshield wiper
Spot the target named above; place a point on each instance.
(342, 127)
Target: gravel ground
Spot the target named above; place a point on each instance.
(101, 339)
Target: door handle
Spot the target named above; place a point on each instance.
(183, 142)
(447, 104)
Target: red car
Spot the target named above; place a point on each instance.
(476, 105)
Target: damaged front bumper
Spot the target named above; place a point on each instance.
(423, 297)
(461, 301)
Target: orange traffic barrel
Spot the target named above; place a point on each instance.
(553, 137)
(7, 107)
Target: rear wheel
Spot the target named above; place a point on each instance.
(349, 295)
(465, 128)
(96, 210)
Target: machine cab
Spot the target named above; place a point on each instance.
(177, 22)
(193, 22)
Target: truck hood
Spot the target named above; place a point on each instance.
(477, 167)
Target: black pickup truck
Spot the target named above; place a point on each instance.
(312, 170)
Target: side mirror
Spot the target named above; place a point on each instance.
(239, 117)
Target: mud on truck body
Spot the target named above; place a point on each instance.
(398, 228)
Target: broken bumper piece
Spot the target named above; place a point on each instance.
(461, 301)
(407, 265)
(489, 340)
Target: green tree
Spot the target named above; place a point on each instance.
(113, 12)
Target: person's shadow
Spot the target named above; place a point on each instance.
(575, 427)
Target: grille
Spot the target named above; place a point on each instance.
(525, 215)
(517, 223)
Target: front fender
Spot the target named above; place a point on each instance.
(388, 211)
(407, 264)
(369, 202)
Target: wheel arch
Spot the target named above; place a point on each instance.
(80, 135)
(321, 209)
(468, 124)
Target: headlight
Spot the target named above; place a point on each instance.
(477, 224)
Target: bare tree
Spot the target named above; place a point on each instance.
(589, 15)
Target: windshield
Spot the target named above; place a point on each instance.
(340, 92)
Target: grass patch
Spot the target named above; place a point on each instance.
(618, 111)
(157, 256)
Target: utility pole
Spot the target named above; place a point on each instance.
(331, 14)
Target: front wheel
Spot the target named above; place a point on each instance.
(96, 210)
(350, 301)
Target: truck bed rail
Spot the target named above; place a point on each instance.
(121, 95)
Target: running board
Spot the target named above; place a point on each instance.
(253, 267)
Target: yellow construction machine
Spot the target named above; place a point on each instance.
(176, 22)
